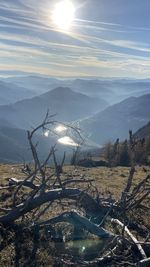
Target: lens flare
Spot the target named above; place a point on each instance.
(66, 140)
(60, 128)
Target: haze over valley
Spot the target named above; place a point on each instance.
(104, 109)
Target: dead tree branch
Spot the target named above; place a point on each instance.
(37, 201)
(76, 219)
(144, 263)
(130, 235)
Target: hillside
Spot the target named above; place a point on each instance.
(116, 120)
(13, 143)
(143, 132)
(10, 93)
(15, 146)
(63, 102)
(36, 83)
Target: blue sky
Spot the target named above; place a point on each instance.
(109, 38)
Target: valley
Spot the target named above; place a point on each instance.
(95, 106)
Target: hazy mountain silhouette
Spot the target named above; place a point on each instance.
(92, 87)
(14, 145)
(111, 90)
(10, 93)
(36, 83)
(81, 102)
(68, 106)
(116, 120)
(143, 132)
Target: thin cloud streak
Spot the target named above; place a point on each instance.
(36, 45)
(27, 30)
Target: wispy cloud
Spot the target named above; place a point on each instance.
(28, 35)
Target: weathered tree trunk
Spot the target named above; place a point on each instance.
(86, 201)
(76, 219)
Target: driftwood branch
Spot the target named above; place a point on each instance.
(130, 235)
(71, 193)
(58, 168)
(75, 218)
(128, 186)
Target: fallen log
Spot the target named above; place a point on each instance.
(76, 219)
(87, 202)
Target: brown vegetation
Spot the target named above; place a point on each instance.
(124, 153)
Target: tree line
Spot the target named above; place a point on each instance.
(124, 153)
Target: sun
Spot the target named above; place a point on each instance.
(63, 14)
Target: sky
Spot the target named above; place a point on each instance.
(108, 38)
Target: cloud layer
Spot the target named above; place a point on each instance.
(30, 42)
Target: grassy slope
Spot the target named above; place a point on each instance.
(106, 179)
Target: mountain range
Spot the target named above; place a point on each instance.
(111, 90)
(65, 103)
(104, 109)
(115, 121)
(36, 84)
(10, 93)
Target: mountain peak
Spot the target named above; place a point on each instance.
(59, 92)
(62, 90)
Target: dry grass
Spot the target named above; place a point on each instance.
(109, 179)
(106, 180)
(7, 171)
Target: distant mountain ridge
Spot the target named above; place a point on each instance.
(85, 101)
(65, 103)
(37, 84)
(116, 120)
(143, 132)
(10, 93)
(111, 90)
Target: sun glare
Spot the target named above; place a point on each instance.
(66, 140)
(63, 14)
(46, 133)
(60, 128)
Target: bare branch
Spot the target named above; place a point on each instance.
(75, 218)
(135, 241)
(52, 195)
(144, 263)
